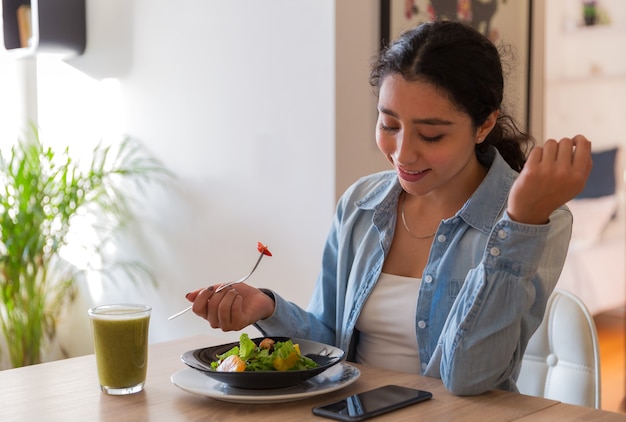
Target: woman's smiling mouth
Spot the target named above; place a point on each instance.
(412, 176)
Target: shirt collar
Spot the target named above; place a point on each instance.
(489, 201)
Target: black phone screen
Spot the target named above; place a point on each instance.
(372, 403)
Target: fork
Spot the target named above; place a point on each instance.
(223, 286)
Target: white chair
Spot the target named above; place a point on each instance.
(562, 360)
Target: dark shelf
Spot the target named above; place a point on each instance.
(44, 26)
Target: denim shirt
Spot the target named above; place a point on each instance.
(484, 288)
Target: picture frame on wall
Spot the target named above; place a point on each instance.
(506, 22)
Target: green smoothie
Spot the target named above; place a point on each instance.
(120, 334)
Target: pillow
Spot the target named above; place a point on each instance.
(602, 179)
(591, 216)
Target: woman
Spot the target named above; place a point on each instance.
(443, 265)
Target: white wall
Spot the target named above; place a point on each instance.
(237, 99)
(585, 70)
(357, 41)
(257, 107)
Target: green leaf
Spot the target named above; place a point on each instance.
(246, 347)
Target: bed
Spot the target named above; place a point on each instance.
(595, 267)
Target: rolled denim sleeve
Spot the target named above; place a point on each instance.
(500, 305)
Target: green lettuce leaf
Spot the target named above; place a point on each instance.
(246, 347)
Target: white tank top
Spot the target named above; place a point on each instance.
(387, 325)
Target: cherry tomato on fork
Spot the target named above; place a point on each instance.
(263, 249)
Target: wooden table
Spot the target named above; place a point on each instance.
(68, 390)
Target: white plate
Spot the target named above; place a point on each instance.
(334, 378)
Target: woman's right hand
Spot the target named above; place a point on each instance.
(232, 309)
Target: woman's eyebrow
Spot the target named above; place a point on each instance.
(435, 121)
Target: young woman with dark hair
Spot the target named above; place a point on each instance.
(443, 265)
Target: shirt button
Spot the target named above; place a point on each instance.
(424, 365)
(494, 251)
(502, 234)
(441, 238)
(428, 279)
(421, 324)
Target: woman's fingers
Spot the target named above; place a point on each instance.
(231, 309)
(201, 301)
(582, 156)
(225, 314)
(553, 174)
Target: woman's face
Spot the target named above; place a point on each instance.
(427, 139)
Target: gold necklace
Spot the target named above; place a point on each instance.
(404, 221)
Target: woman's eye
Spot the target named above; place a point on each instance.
(386, 128)
(431, 138)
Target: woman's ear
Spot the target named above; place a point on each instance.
(486, 127)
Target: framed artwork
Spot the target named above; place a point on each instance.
(506, 22)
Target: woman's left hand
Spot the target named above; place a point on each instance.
(553, 174)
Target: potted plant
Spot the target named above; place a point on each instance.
(43, 193)
(590, 12)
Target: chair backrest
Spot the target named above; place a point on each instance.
(562, 360)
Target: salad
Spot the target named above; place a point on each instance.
(269, 355)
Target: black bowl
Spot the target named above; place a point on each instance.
(323, 354)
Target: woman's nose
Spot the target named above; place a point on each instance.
(406, 152)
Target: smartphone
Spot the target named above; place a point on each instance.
(372, 403)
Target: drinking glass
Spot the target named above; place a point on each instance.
(120, 336)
